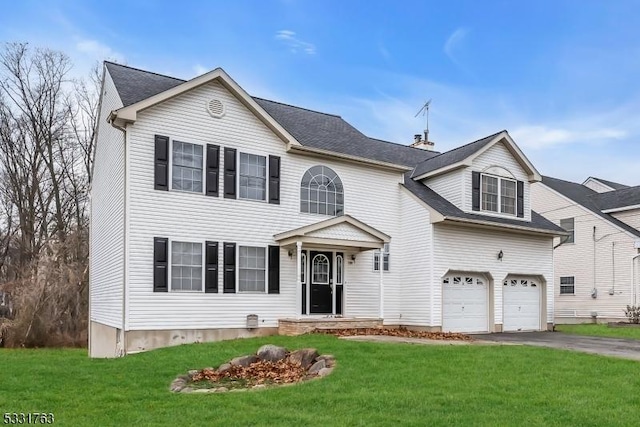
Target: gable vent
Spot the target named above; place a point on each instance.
(215, 107)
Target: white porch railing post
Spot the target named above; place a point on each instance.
(298, 279)
(381, 266)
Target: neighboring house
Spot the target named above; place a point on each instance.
(216, 214)
(597, 268)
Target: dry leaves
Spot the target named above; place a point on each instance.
(396, 332)
(261, 372)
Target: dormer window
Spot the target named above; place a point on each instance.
(498, 194)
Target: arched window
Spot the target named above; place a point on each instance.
(321, 192)
(320, 270)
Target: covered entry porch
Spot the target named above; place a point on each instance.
(323, 253)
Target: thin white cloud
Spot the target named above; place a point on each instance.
(538, 137)
(294, 44)
(199, 70)
(453, 43)
(98, 51)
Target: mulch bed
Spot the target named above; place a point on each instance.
(395, 332)
(261, 372)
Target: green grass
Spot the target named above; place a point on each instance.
(600, 330)
(374, 384)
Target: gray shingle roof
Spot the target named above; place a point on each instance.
(585, 197)
(629, 196)
(452, 156)
(614, 185)
(134, 85)
(448, 209)
(332, 133)
(311, 128)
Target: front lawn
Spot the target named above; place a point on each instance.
(600, 330)
(373, 384)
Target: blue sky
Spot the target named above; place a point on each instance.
(560, 76)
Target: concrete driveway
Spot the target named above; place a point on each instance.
(617, 347)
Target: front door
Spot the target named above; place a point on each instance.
(321, 283)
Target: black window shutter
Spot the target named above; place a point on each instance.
(211, 272)
(475, 191)
(162, 163)
(229, 173)
(160, 249)
(520, 199)
(229, 268)
(213, 169)
(274, 180)
(274, 269)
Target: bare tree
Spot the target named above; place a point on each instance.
(47, 134)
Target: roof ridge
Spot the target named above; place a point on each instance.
(144, 71)
(295, 106)
(437, 153)
(465, 145)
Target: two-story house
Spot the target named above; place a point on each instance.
(215, 215)
(597, 267)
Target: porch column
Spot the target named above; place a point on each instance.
(298, 280)
(381, 265)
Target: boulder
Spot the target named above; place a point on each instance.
(243, 361)
(324, 372)
(272, 353)
(316, 367)
(224, 367)
(329, 359)
(305, 357)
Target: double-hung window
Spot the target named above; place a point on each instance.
(252, 261)
(186, 266)
(498, 194)
(253, 177)
(186, 174)
(567, 285)
(385, 259)
(569, 225)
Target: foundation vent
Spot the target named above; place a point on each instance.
(252, 321)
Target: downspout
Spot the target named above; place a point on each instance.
(613, 268)
(634, 285)
(594, 291)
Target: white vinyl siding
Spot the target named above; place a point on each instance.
(253, 177)
(477, 250)
(186, 168)
(186, 266)
(153, 214)
(107, 243)
(497, 156)
(630, 217)
(604, 265)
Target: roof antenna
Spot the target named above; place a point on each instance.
(425, 113)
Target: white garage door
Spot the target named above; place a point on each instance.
(465, 307)
(521, 304)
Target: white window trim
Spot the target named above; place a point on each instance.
(266, 268)
(339, 269)
(266, 177)
(376, 254)
(500, 179)
(204, 172)
(573, 232)
(344, 201)
(328, 282)
(170, 265)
